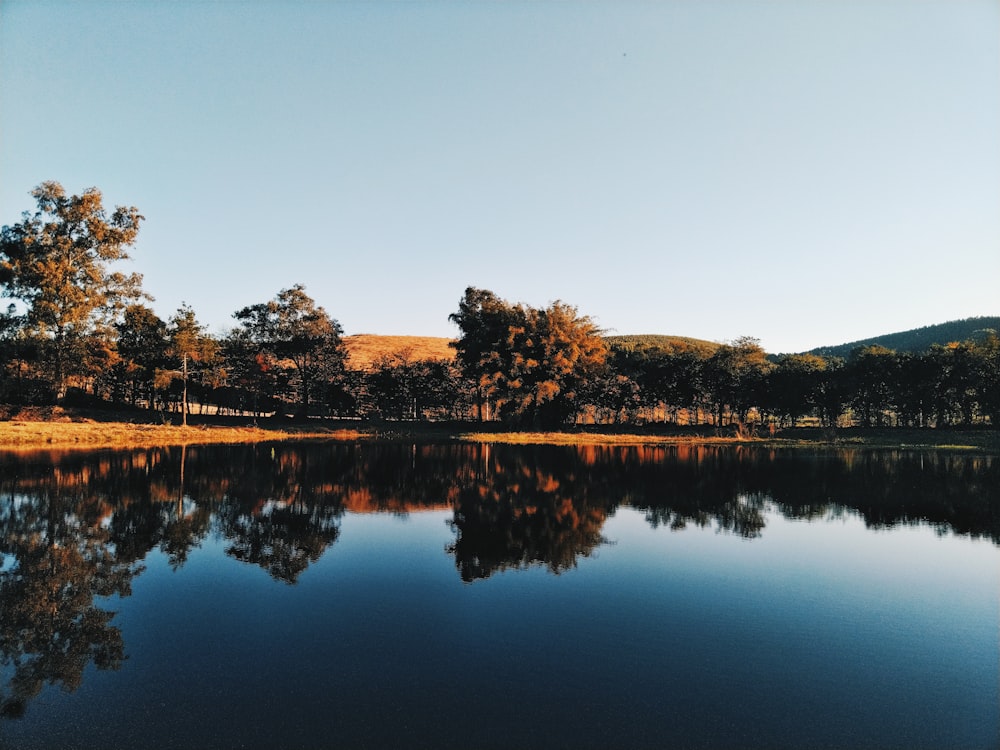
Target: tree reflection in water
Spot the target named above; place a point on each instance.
(61, 557)
(527, 507)
(76, 528)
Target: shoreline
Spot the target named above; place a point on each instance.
(84, 433)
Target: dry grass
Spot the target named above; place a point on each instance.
(19, 435)
(596, 438)
(365, 348)
(36, 428)
(958, 440)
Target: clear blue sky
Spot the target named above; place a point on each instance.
(806, 172)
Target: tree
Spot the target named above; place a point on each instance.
(988, 355)
(674, 378)
(188, 342)
(562, 351)
(292, 329)
(18, 354)
(735, 375)
(484, 320)
(832, 392)
(56, 263)
(531, 362)
(915, 387)
(872, 372)
(793, 385)
(142, 349)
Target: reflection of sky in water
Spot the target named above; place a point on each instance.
(880, 636)
(814, 633)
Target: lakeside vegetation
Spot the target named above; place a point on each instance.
(55, 428)
(79, 334)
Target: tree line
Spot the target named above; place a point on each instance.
(79, 328)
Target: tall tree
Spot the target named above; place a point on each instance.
(291, 328)
(484, 320)
(56, 262)
(188, 343)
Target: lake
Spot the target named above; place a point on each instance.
(474, 596)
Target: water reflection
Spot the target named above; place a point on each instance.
(75, 528)
(525, 508)
(60, 557)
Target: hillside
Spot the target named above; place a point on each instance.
(918, 339)
(364, 349)
(663, 343)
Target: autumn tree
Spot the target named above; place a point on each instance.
(57, 263)
(532, 362)
(293, 333)
(484, 320)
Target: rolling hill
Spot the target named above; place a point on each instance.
(918, 339)
(668, 344)
(364, 349)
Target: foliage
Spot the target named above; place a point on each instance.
(56, 263)
(292, 329)
(794, 386)
(76, 331)
(734, 376)
(919, 340)
(531, 362)
(188, 343)
(398, 388)
(142, 350)
(661, 343)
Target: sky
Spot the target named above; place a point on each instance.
(805, 172)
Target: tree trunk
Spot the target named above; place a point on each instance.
(184, 399)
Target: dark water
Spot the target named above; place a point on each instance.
(303, 596)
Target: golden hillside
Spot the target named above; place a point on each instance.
(364, 349)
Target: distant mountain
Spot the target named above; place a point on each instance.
(669, 344)
(918, 339)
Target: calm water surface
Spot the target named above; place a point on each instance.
(302, 596)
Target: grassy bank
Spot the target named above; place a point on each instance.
(20, 435)
(971, 440)
(53, 427)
